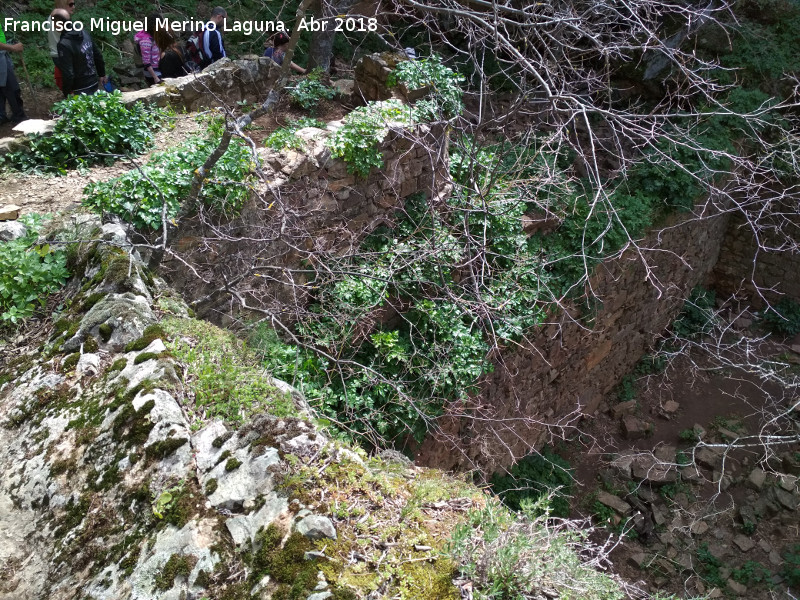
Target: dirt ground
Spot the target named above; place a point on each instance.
(51, 194)
(711, 399)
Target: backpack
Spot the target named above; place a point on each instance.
(138, 61)
(193, 54)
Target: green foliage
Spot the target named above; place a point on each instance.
(139, 195)
(287, 138)
(309, 92)
(783, 318)
(444, 99)
(751, 573)
(536, 477)
(357, 141)
(626, 388)
(508, 558)
(697, 316)
(431, 348)
(91, 129)
(763, 50)
(791, 566)
(29, 272)
(709, 567)
(222, 373)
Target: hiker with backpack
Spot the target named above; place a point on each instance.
(83, 69)
(212, 47)
(54, 36)
(9, 86)
(145, 51)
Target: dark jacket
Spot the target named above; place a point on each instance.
(213, 47)
(80, 61)
(172, 64)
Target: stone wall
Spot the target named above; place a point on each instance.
(308, 205)
(224, 82)
(567, 368)
(755, 274)
(371, 79)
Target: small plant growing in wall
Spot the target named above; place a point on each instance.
(783, 318)
(444, 98)
(357, 142)
(309, 92)
(286, 138)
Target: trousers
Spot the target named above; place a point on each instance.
(11, 93)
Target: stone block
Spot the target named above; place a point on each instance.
(756, 479)
(614, 502)
(9, 212)
(634, 428)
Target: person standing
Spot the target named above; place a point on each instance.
(9, 86)
(213, 49)
(172, 62)
(278, 50)
(151, 53)
(83, 69)
(53, 36)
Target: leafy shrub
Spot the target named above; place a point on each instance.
(791, 566)
(751, 572)
(95, 128)
(139, 195)
(357, 141)
(29, 271)
(444, 100)
(309, 92)
(286, 137)
(535, 477)
(511, 558)
(784, 317)
(697, 316)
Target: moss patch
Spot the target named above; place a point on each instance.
(105, 330)
(233, 464)
(160, 450)
(177, 566)
(70, 362)
(225, 375)
(151, 333)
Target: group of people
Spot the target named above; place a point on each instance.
(162, 56)
(80, 68)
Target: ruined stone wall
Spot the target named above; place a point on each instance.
(754, 273)
(371, 77)
(308, 206)
(568, 367)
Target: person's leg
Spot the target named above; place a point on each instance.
(13, 95)
(58, 78)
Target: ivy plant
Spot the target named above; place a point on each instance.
(444, 99)
(29, 272)
(358, 140)
(139, 195)
(91, 129)
(309, 92)
(286, 138)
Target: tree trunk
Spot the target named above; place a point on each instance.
(321, 51)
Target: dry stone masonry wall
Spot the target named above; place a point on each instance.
(759, 274)
(309, 204)
(568, 366)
